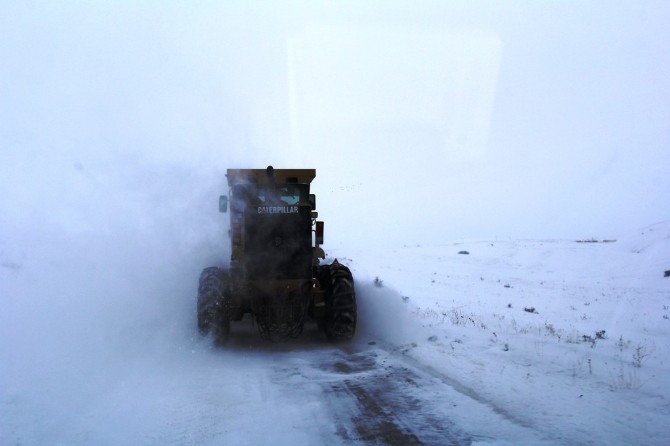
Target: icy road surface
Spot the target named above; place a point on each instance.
(516, 342)
(254, 393)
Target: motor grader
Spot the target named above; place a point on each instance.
(275, 272)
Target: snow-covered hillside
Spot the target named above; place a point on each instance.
(569, 336)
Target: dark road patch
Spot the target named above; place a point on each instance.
(376, 403)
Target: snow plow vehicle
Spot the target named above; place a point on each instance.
(275, 272)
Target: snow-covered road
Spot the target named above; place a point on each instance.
(448, 350)
(251, 392)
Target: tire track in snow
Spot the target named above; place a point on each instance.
(402, 353)
(378, 403)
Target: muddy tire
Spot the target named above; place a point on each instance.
(213, 302)
(339, 323)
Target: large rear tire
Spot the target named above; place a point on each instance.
(339, 323)
(213, 303)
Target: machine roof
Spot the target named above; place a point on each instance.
(261, 176)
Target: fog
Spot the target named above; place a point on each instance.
(426, 123)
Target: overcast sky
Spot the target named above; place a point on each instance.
(426, 122)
